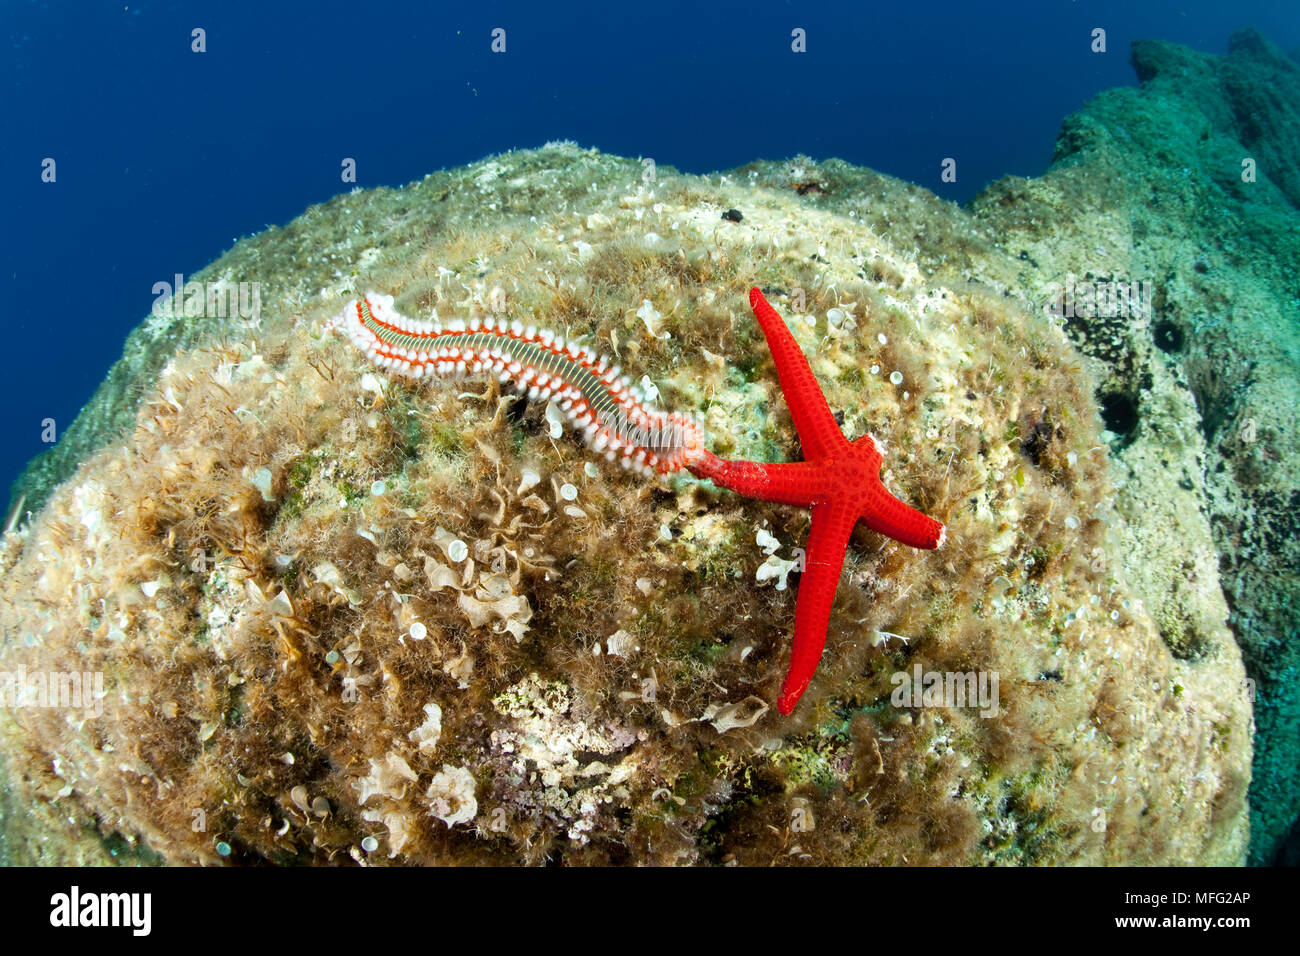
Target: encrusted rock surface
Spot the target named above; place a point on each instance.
(341, 618)
(1212, 373)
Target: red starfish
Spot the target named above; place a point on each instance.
(838, 479)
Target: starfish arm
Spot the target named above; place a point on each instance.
(889, 516)
(832, 523)
(818, 431)
(789, 483)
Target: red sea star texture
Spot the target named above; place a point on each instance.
(838, 479)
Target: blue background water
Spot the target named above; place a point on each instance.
(166, 156)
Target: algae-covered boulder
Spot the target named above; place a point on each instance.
(324, 615)
(1190, 186)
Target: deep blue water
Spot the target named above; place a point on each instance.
(165, 156)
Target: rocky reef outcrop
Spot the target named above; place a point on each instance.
(341, 618)
(1192, 182)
